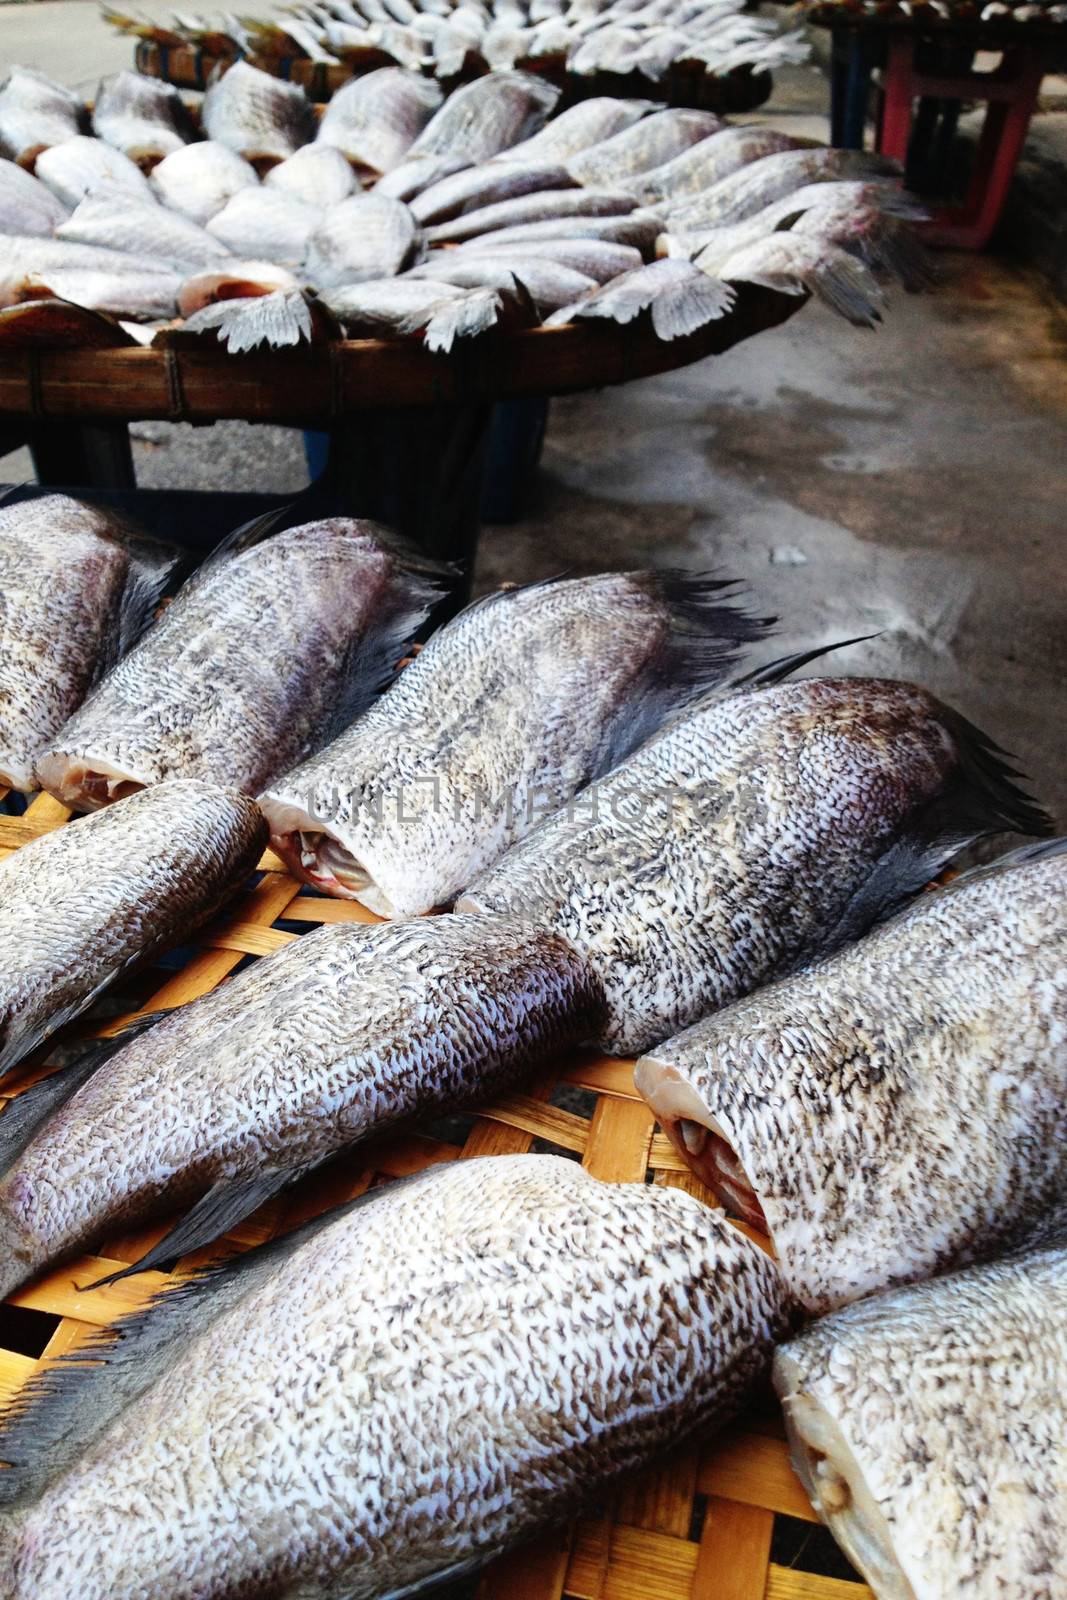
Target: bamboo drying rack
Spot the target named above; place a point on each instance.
(698, 1527)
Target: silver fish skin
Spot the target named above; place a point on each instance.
(394, 1021)
(897, 1109)
(145, 228)
(388, 305)
(639, 229)
(232, 280)
(547, 204)
(735, 845)
(375, 119)
(300, 627)
(265, 119)
(886, 244)
(505, 714)
(81, 905)
(78, 166)
(367, 236)
(493, 181)
(416, 173)
(142, 117)
(487, 116)
(796, 263)
(679, 298)
(588, 123)
(770, 178)
(146, 295)
(708, 162)
(34, 114)
(631, 1311)
(26, 206)
(317, 173)
(548, 284)
(598, 259)
(928, 1427)
(841, 198)
(199, 179)
(266, 222)
(647, 144)
(76, 589)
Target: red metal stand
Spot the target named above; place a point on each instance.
(1010, 92)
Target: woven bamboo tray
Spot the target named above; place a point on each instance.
(318, 383)
(699, 1527)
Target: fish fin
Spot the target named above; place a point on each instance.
(785, 666)
(257, 530)
(683, 307)
(468, 1568)
(15, 1050)
(1037, 850)
(279, 319)
(897, 251)
(152, 566)
(30, 1109)
(66, 1405)
(982, 797)
(371, 660)
(462, 318)
(839, 279)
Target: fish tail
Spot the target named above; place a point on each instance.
(847, 286)
(464, 317)
(684, 307)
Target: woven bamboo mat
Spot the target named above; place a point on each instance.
(699, 1527)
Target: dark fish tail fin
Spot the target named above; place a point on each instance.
(782, 668)
(982, 797)
(1036, 850)
(32, 1108)
(152, 566)
(55, 1417)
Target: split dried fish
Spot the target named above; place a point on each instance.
(546, 205)
(78, 166)
(758, 832)
(708, 162)
(493, 182)
(898, 1109)
(34, 114)
(77, 587)
(588, 123)
(268, 223)
(487, 116)
(144, 227)
(300, 628)
(770, 178)
(632, 1311)
(80, 906)
(265, 119)
(317, 173)
(234, 280)
(142, 117)
(26, 206)
(506, 713)
(374, 120)
(927, 1426)
(367, 236)
(649, 143)
(199, 179)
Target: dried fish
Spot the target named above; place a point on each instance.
(199, 179)
(545, 205)
(598, 259)
(36, 113)
(480, 186)
(81, 905)
(679, 298)
(708, 162)
(770, 178)
(899, 1108)
(375, 119)
(265, 119)
(78, 166)
(649, 143)
(506, 713)
(233, 280)
(588, 123)
(145, 228)
(142, 117)
(795, 264)
(300, 627)
(26, 206)
(548, 284)
(317, 173)
(487, 116)
(388, 305)
(266, 222)
(367, 236)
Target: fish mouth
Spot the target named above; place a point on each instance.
(701, 1141)
(836, 1485)
(315, 854)
(89, 784)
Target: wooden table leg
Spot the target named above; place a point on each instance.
(88, 455)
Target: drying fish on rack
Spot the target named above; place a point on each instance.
(505, 714)
(758, 832)
(599, 259)
(366, 236)
(36, 113)
(492, 182)
(374, 120)
(143, 118)
(578, 127)
(80, 906)
(597, 1323)
(898, 1109)
(547, 204)
(389, 305)
(199, 179)
(794, 264)
(770, 178)
(706, 163)
(81, 164)
(876, 208)
(318, 173)
(234, 280)
(483, 118)
(264, 222)
(79, 585)
(90, 275)
(548, 284)
(927, 1426)
(301, 628)
(145, 228)
(264, 119)
(397, 1021)
(646, 145)
(679, 299)
(27, 207)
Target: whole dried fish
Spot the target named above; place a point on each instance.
(548, 284)
(547, 204)
(640, 229)
(262, 117)
(795, 264)
(145, 228)
(148, 295)
(897, 1109)
(845, 199)
(317, 173)
(398, 1020)
(632, 1312)
(300, 628)
(679, 298)
(475, 187)
(374, 120)
(366, 236)
(416, 173)
(487, 116)
(76, 588)
(142, 117)
(594, 258)
(199, 179)
(79, 906)
(233, 280)
(266, 222)
(34, 114)
(927, 1426)
(78, 166)
(761, 830)
(388, 305)
(877, 236)
(708, 162)
(26, 206)
(770, 178)
(589, 122)
(647, 144)
(505, 714)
